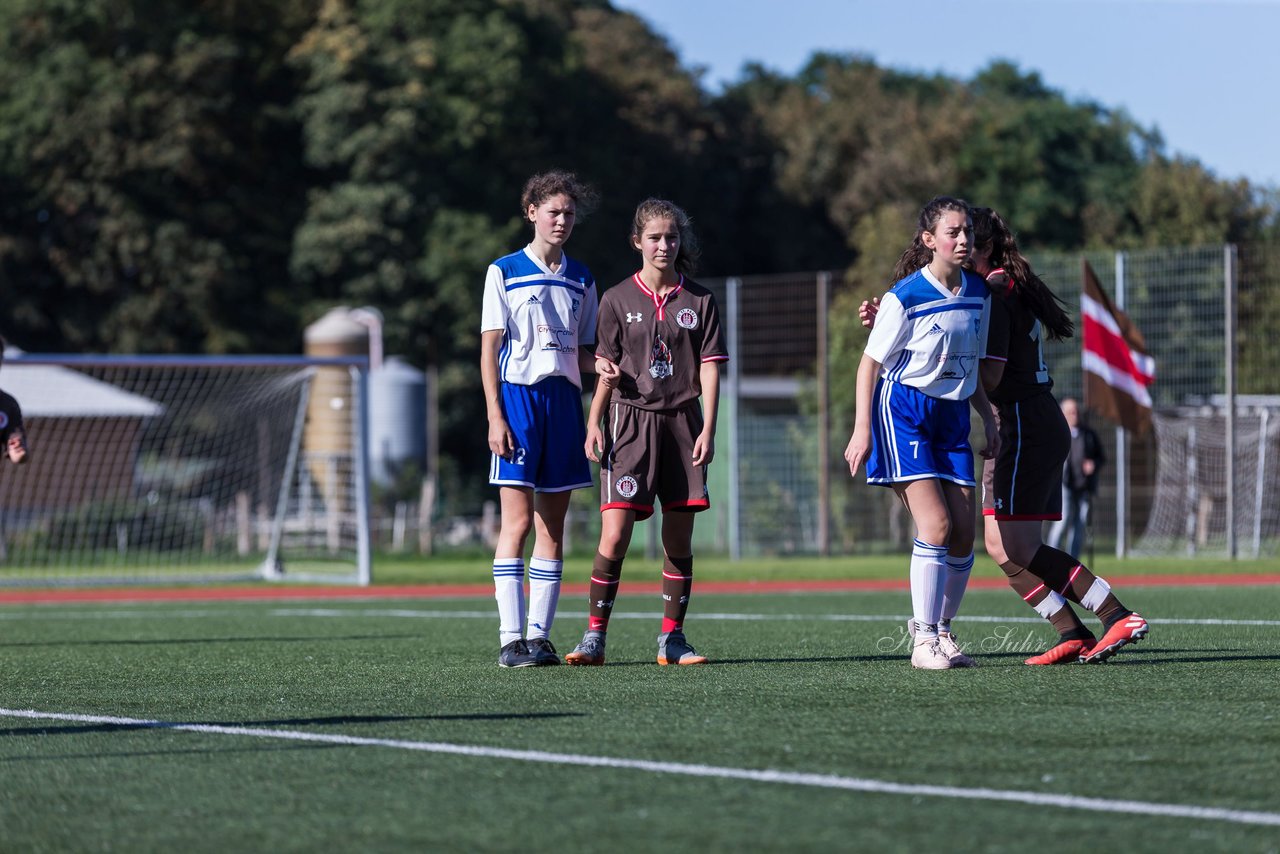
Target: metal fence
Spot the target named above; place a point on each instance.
(1210, 316)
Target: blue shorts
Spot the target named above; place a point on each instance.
(916, 437)
(550, 431)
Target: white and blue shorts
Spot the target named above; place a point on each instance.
(550, 431)
(916, 437)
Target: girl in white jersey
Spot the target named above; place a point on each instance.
(537, 321)
(915, 382)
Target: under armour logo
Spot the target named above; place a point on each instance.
(635, 318)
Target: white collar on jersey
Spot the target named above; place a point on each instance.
(559, 270)
(933, 280)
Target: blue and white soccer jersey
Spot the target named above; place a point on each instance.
(545, 315)
(928, 342)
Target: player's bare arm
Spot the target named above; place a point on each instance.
(704, 447)
(589, 363)
(990, 372)
(982, 405)
(607, 371)
(594, 446)
(501, 441)
(859, 447)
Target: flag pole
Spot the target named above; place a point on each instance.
(1084, 405)
(1122, 448)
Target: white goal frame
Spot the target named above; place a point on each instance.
(264, 463)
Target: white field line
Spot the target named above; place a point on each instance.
(439, 613)
(765, 775)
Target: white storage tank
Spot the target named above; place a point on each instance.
(397, 419)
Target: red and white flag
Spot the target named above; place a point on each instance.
(1117, 368)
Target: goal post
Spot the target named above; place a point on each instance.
(155, 469)
(1193, 492)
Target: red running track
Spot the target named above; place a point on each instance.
(447, 591)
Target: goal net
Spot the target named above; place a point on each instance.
(159, 469)
(1189, 508)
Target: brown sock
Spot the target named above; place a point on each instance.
(605, 574)
(1073, 580)
(1048, 604)
(677, 581)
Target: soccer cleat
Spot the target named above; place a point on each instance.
(544, 654)
(1129, 630)
(674, 649)
(1065, 652)
(928, 655)
(516, 654)
(951, 649)
(588, 653)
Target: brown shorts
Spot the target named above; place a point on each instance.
(649, 454)
(1024, 482)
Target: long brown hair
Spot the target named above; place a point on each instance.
(917, 254)
(990, 228)
(690, 251)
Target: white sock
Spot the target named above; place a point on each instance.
(544, 593)
(953, 589)
(508, 587)
(928, 578)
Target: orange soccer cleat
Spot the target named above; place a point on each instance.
(1129, 630)
(1066, 652)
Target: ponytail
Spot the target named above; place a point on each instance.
(990, 228)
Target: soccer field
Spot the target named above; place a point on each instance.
(386, 725)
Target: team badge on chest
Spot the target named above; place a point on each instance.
(687, 318)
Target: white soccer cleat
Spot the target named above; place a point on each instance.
(952, 650)
(928, 655)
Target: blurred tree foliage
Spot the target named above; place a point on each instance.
(212, 175)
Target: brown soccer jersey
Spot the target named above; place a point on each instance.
(1014, 337)
(659, 343)
(1023, 483)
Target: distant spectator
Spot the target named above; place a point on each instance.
(1079, 480)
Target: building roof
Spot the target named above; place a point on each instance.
(51, 391)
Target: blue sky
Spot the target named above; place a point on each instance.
(1206, 73)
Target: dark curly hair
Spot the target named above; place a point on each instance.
(557, 182)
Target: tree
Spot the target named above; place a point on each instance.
(146, 175)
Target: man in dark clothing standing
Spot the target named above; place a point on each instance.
(1079, 480)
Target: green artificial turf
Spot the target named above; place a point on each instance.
(800, 683)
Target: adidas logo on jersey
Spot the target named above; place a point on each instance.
(533, 300)
(934, 330)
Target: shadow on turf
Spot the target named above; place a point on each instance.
(167, 641)
(998, 659)
(337, 720)
(817, 659)
(58, 757)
